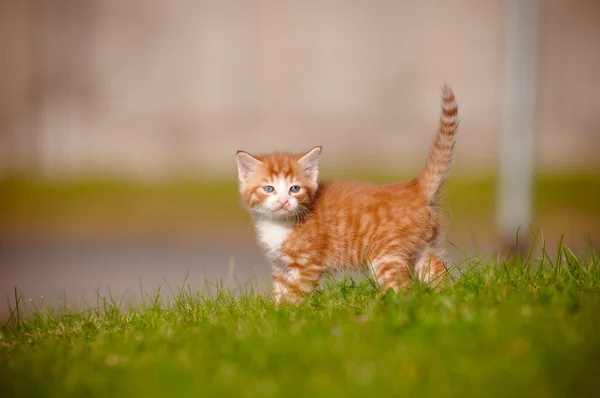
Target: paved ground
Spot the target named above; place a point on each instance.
(73, 270)
(67, 270)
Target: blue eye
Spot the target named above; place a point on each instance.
(294, 189)
(268, 188)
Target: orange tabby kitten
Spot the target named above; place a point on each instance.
(307, 227)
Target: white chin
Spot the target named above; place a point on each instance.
(280, 213)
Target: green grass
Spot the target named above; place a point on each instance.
(518, 328)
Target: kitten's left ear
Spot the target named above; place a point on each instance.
(310, 162)
(246, 165)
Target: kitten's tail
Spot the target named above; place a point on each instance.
(438, 161)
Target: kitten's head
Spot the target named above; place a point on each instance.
(279, 186)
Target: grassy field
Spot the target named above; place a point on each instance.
(520, 328)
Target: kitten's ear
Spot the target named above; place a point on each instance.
(246, 165)
(310, 162)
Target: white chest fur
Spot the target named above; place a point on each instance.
(272, 234)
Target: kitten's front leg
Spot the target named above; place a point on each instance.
(295, 283)
(279, 286)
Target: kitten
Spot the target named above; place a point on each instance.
(306, 227)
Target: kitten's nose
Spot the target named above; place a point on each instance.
(282, 203)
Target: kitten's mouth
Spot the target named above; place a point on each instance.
(281, 212)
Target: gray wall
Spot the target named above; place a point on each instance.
(147, 87)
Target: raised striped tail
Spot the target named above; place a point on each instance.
(438, 161)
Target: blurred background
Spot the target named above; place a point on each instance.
(119, 121)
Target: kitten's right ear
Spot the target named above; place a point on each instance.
(246, 165)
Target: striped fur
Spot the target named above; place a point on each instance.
(389, 230)
(437, 164)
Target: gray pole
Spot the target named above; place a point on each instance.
(516, 156)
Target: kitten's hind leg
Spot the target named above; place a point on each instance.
(431, 270)
(297, 282)
(392, 272)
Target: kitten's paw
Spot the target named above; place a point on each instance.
(289, 299)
